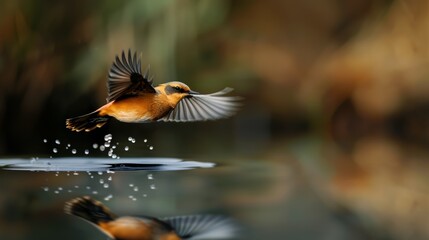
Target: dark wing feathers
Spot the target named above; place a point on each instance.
(203, 226)
(89, 209)
(125, 77)
(202, 107)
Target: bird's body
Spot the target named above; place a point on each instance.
(132, 98)
(139, 109)
(149, 228)
(125, 228)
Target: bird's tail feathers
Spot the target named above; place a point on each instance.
(87, 122)
(89, 209)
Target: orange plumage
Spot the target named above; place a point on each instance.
(133, 98)
(150, 228)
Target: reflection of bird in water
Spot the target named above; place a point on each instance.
(133, 98)
(150, 228)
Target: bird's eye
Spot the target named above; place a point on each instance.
(179, 89)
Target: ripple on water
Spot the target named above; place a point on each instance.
(100, 165)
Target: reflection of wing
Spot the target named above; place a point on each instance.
(200, 107)
(125, 77)
(203, 227)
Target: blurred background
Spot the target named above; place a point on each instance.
(332, 142)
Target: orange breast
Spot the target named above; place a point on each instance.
(142, 108)
(132, 228)
(128, 228)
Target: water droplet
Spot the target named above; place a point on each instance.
(94, 192)
(74, 151)
(92, 177)
(108, 137)
(76, 173)
(106, 185)
(76, 186)
(152, 186)
(45, 140)
(145, 195)
(102, 148)
(88, 187)
(110, 178)
(86, 151)
(95, 145)
(145, 140)
(54, 150)
(60, 188)
(150, 147)
(108, 197)
(114, 156)
(136, 189)
(33, 161)
(56, 192)
(150, 176)
(100, 173)
(101, 181)
(45, 189)
(131, 139)
(56, 174)
(69, 190)
(107, 144)
(57, 142)
(126, 148)
(131, 185)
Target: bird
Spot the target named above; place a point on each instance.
(150, 228)
(133, 98)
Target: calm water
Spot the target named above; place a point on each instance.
(300, 189)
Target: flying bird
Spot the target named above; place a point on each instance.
(133, 98)
(150, 228)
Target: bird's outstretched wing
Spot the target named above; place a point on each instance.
(89, 209)
(126, 78)
(203, 227)
(201, 107)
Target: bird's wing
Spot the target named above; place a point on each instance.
(126, 78)
(203, 227)
(89, 209)
(201, 107)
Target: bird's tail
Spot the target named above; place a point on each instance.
(89, 209)
(87, 122)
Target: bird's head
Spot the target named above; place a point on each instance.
(176, 91)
